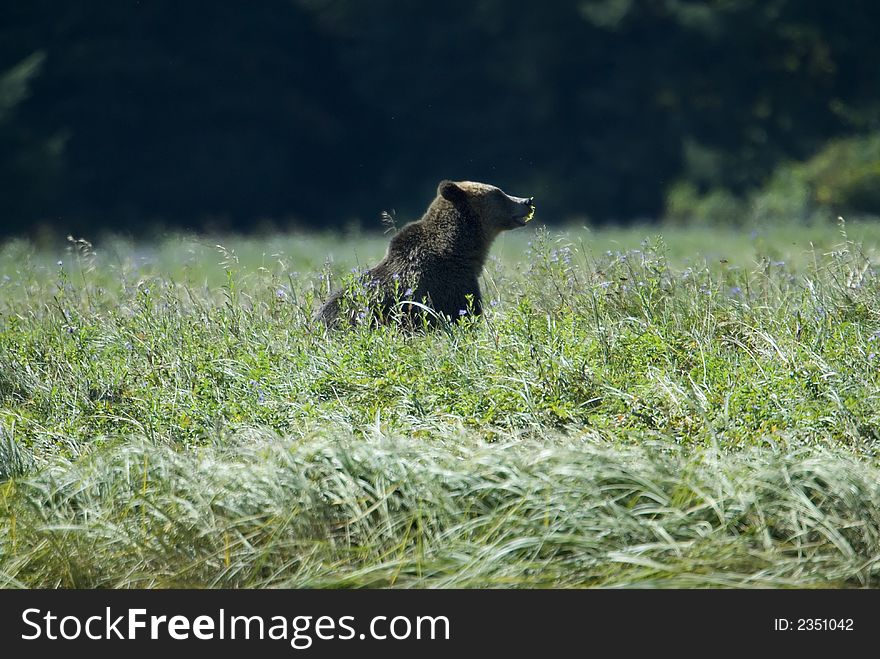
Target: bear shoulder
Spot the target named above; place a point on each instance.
(409, 236)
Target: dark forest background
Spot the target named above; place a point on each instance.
(122, 115)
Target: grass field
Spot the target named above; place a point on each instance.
(650, 407)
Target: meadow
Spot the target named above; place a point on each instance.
(652, 406)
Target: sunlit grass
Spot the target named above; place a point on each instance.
(639, 407)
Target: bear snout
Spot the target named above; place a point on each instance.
(526, 201)
(525, 205)
(523, 212)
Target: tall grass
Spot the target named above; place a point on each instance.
(261, 510)
(696, 409)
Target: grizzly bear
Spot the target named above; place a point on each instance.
(431, 269)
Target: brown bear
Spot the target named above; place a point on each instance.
(432, 265)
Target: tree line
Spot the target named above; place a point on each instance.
(119, 114)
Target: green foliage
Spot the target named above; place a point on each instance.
(842, 178)
(15, 83)
(693, 410)
(326, 112)
(686, 205)
(30, 160)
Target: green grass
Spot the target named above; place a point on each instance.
(652, 407)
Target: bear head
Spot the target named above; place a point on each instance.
(496, 210)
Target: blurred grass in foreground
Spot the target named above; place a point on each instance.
(643, 407)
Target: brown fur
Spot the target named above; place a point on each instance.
(437, 260)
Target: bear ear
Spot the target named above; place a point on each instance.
(450, 191)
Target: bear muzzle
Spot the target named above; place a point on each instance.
(525, 209)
